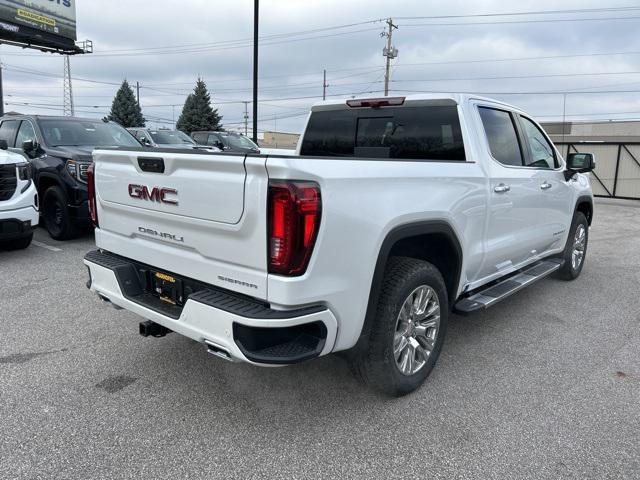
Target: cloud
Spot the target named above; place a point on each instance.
(219, 38)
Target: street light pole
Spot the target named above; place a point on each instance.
(255, 70)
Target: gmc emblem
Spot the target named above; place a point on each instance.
(157, 194)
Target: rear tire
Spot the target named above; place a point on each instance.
(405, 318)
(55, 212)
(17, 244)
(575, 251)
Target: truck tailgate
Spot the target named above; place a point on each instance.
(200, 215)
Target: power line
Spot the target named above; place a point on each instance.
(307, 85)
(511, 77)
(166, 120)
(533, 12)
(275, 39)
(268, 100)
(494, 92)
(53, 75)
(510, 22)
(223, 43)
(245, 40)
(345, 94)
(369, 69)
(217, 48)
(424, 80)
(266, 119)
(232, 47)
(514, 59)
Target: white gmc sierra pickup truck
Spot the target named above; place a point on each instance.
(393, 213)
(18, 200)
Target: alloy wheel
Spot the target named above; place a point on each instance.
(416, 330)
(579, 245)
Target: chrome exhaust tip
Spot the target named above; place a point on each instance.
(218, 351)
(108, 302)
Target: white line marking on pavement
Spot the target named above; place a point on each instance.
(45, 246)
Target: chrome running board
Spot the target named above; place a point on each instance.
(504, 288)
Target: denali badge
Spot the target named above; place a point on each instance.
(237, 282)
(157, 194)
(155, 233)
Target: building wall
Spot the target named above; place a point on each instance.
(279, 140)
(610, 131)
(616, 147)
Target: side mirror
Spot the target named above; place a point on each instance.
(3, 145)
(28, 146)
(219, 145)
(579, 163)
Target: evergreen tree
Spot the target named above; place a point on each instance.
(125, 109)
(197, 113)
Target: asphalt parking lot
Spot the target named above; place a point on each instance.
(545, 385)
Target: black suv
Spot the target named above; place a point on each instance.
(59, 149)
(226, 141)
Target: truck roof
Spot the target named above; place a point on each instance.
(49, 117)
(451, 98)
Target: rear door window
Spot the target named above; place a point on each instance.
(415, 133)
(501, 133)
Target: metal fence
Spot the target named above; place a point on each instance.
(617, 173)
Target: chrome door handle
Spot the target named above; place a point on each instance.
(545, 186)
(502, 188)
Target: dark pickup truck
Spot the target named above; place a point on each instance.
(59, 150)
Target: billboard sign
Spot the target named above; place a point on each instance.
(39, 23)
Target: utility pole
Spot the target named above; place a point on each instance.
(324, 85)
(256, 17)
(68, 109)
(1, 94)
(246, 118)
(138, 92)
(390, 52)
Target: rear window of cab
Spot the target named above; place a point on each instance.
(412, 133)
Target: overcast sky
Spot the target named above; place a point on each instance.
(177, 41)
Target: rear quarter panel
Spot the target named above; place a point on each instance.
(362, 201)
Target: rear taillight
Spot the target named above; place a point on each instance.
(91, 194)
(294, 219)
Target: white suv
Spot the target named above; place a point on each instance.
(18, 201)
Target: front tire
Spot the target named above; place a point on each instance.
(55, 212)
(575, 250)
(408, 330)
